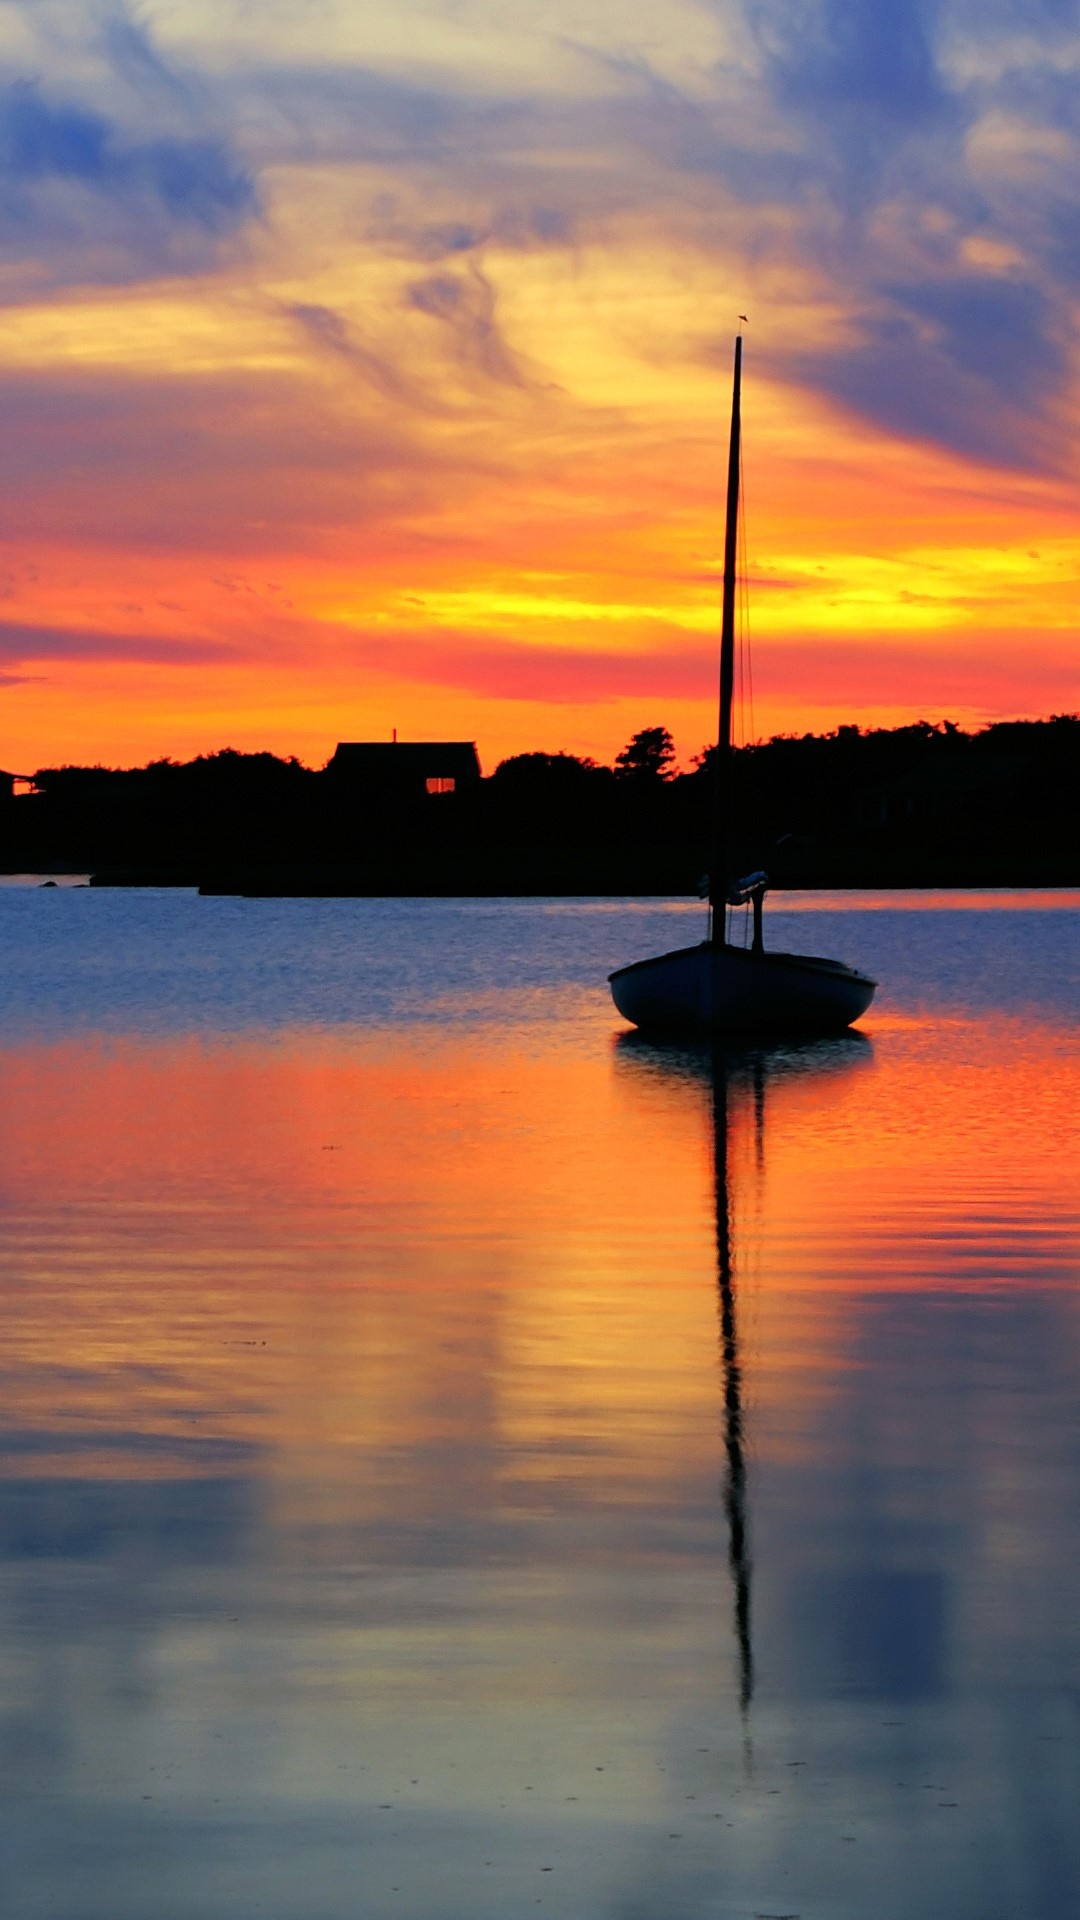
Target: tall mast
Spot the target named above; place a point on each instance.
(720, 875)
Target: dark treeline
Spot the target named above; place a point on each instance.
(913, 806)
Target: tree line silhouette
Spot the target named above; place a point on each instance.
(908, 806)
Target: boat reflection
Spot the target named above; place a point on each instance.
(738, 1081)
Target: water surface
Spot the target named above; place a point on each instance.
(458, 1458)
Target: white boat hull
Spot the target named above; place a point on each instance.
(733, 990)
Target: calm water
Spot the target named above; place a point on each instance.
(458, 1460)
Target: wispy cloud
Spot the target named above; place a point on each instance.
(331, 333)
(20, 643)
(227, 461)
(465, 304)
(549, 675)
(918, 199)
(431, 321)
(190, 180)
(899, 143)
(112, 164)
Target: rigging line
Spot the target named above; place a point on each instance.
(744, 570)
(743, 598)
(741, 623)
(742, 616)
(736, 690)
(739, 701)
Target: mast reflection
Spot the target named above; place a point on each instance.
(737, 1078)
(734, 1491)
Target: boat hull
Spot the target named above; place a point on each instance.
(717, 989)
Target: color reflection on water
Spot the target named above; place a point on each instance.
(446, 1472)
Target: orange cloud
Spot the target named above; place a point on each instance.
(372, 401)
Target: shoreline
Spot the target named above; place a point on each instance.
(552, 885)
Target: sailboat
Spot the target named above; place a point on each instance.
(715, 986)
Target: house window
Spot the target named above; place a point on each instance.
(439, 783)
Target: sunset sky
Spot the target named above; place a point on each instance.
(367, 366)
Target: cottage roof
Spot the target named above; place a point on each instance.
(392, 761)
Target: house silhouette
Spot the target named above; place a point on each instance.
(404, 770)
